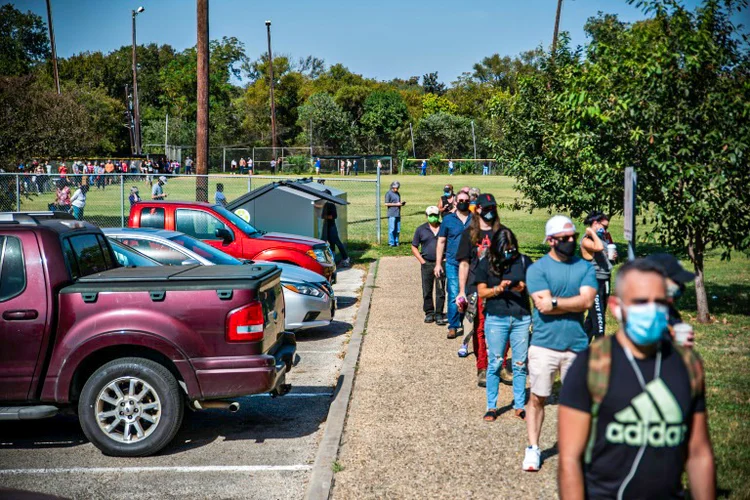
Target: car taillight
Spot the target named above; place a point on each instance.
(245, 324)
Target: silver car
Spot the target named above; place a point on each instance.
(310, 301)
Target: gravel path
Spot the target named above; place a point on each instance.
(415, 425)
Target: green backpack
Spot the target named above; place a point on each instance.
(600, 364)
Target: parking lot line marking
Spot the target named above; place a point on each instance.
(319, 352)
(196, 468)
(297, 395)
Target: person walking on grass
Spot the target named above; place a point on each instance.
(134, 196)
(423, 168)
(220, 198)
(424, 249)
(632, 412)
(317, 166)
(157, 191)
(451, 167)
(394, 204)
(501, 285)
(562, 287)
(78, 201)
(449, 237)
(472, 248)
(594, 249)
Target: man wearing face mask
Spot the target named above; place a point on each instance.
(425, 238)
(638, 401)
(474, 243)
(594, 249)
(562, 287)
(677, 278)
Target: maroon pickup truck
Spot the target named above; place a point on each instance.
(127, 348)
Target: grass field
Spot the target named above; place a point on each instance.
(724, 344)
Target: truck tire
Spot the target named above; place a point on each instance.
(130, 407)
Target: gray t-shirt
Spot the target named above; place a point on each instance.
(157, 190)
(560, 332)
(392, 197)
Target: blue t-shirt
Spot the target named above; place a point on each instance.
(560, 332)
(451, 229)
(220, 198)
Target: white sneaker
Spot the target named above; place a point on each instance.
(532, 459)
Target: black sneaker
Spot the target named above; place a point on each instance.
(441, 319)
(429, 318)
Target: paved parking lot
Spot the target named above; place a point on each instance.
(265, 450)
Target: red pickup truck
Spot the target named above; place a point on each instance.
(127, 347)
(228, 232)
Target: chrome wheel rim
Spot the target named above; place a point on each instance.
(128, 410)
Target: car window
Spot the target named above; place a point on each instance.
(161, 253)
(129, 257)
(87, 254)
(197, 223)
(205, 250)
(152, 217)
(12, 271)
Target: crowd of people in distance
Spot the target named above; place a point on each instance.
(632, 411)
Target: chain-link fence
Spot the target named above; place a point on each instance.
(109, 196)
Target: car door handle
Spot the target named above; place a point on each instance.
(20, 315)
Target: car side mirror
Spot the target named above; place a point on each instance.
(189, 262)
(225, 235)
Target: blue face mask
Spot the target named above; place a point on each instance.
(601, 232)
(645, 323)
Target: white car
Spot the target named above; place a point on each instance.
(309, 298)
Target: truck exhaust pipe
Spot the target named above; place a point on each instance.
(232, 406)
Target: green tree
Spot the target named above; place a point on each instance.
(443, 133)
(384, 117)
(432, 85)
(331, 125)
(23, 41)
(432, 103)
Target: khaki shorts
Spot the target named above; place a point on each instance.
(543, 366)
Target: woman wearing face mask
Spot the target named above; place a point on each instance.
(501, 284)
(447, 203)
(594, 249)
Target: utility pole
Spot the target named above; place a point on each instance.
(273, 104)
(557, 28)
(129, 116)
(201, 135)
(136, 106)
(166, 134)
(52, 46)
(413, 147)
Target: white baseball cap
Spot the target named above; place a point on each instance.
(432, 210)
(163, 179)
(558, 224)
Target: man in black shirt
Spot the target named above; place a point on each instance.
(639, 403)
(331, 232)
(426, 237)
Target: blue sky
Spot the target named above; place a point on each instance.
(382, 40)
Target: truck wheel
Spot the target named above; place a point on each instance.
(130, 407)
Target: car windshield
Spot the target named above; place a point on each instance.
(205, 250)
(238, 221)
(127, 257)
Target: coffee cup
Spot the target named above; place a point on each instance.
(611, 251)
(682, 333)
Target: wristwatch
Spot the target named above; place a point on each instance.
(554, 302)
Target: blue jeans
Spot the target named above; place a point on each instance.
(455, 318)
(394, 228)
(485, 170)
(497, 331)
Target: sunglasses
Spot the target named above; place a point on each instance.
(571, 237)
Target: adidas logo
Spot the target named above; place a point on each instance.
(653, 417)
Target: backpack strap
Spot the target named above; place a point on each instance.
(694, 366)
(597, 379)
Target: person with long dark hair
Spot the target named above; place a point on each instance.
(501, 285)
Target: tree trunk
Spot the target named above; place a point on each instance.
(696, 252)
(201, 135)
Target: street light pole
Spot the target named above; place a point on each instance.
(136, 106)
(273, 104)
(52, 46)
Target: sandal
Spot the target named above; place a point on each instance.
(521, 414)
(490, 416)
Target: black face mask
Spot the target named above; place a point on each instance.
(462, 206)
(489, 215)
(566, 248)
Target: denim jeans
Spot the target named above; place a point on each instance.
(497, 330)
(394, 228)
(455, 318)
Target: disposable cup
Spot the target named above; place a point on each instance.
(682, 332)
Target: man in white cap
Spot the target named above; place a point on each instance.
(563, 287)
(424, 249)
(157, 192)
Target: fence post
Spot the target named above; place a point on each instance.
(18, 193)
(377, 205)
(248, 182)
(224, 160)
(122, 200)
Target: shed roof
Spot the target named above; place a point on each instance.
(299, 185)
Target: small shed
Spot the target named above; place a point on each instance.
(294, 207)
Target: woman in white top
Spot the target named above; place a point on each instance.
(79, 201)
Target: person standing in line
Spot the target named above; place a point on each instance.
(501, 285)
(449, 237)
(62, 196)
(317, 166)
(329, 215)
(134, 196)
(424, 168)
(348, 166)
(562, 287)
(632, 411)
(475, 241)
(379, 166)
(220, 198)
(243, 165)
(342, 167)
(594, 250)
(394, 204)
(273, 166)
(451, 167)
(473, 196)
(233, 165)
(355, 167)
(447, 202)
(188, 165)
(677, 278)
(424, 249)
(78, 201)
(486, 169)
(157, 191)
